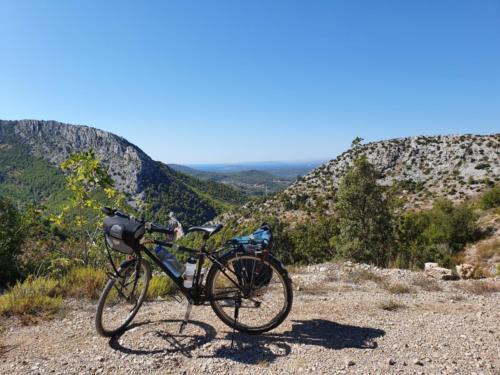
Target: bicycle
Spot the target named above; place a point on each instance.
(246, 286)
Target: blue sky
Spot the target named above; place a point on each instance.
(229, 81)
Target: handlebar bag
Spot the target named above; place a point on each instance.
(123, 234)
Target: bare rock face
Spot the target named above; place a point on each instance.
(436, 272)
(465, 271)
(54, 141)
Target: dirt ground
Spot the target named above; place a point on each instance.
(341, 323)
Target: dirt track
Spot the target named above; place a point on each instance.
(338, 325)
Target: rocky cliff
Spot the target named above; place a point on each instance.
(456, 167)
(55, 141)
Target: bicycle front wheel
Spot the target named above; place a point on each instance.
(122, 297)
(262, 295)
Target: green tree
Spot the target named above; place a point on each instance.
(87, 181)
(491, 198)
(356, 142)
(11, 238)
(364, 217)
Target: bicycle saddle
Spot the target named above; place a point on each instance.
(209, 230)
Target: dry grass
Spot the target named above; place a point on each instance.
(331, 277)
(426, 283)
(84, 282)
(481, 273)
(487, 250)
(160, 286)
(32, 299)
(42, 298)
(360, 276)
(314, 288)
(479, 287)
(397, 288)
(391, 305)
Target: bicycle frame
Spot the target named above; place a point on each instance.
(195, 294)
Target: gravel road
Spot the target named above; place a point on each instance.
(346, 319)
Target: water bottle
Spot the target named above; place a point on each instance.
(189, 273)
(169, 261)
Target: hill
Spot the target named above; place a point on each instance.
(425, 168)
(31, 151)
(251, 182)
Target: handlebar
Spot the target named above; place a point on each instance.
(150, 227)
(113, 211)
(155, 228)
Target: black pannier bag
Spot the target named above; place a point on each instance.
(123, 234)
(262, 273)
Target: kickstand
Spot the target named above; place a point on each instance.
(186, 317)
(237, 304)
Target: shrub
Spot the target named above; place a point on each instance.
(85, 282)
(426, 283)
(315, 288)
(479, 287)
(391, 305)
(487, 250)
(160, 286)
(397, 288)
(360, 276)
(10, 242)
(434, 235)
(482, 166)
(313, 241)
(491, 198)
(38, 297)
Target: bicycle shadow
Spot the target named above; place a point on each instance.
(175, 343)
(248, 349)
(251, 349)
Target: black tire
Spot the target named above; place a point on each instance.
(125, 270)
(223, 308)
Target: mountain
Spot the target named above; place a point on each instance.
(252, 182)
(455, 167)
(31, 151)
(287, 169)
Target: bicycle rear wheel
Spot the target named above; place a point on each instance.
(122, 297)
(267, 295)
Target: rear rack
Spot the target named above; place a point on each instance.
(247, 245)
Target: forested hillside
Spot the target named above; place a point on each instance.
(250, 182)
(31, 152)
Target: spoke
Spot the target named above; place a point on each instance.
(123, 297)
(253, 273)
(263, 304)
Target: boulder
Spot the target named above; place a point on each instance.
(465, 270)
(433, 270)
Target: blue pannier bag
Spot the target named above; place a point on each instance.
(247, 270)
